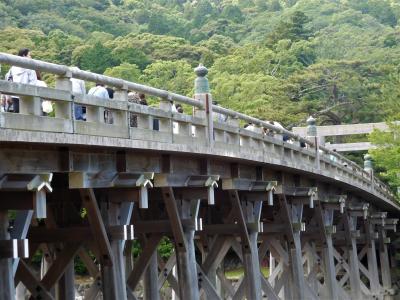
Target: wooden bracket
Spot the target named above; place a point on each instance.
(305, 195)
(82, 180)
(252, 190)
(31, 192)
(359, 210)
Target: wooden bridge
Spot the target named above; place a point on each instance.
(87, 189)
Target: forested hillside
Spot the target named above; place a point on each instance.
(274, 59)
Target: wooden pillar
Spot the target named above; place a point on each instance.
(251, 213)
(252, 269)
(293, 215)
(7, 289)
(325, 221)
(372, 260)
(114, 275)
(312, 261)
(150, 279)
(351, 247)
(330, 271)
(184, 242)
(297, 267)
(66, 284)
(385, 266)
(186, 260)
(106, 253)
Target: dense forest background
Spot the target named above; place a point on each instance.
(274, 59)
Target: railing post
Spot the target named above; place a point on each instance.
(368, 168)
(166, 124)
(202, 93)
(121, 116)
(30, 105)
(313, 135)
(64, 110)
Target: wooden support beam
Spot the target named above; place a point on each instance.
(206, 285)
(372, 259)
(186, 261)
(268, 289)
(97, 226)
(385, 265)
(113, 277)
(7, 288)
(234, 198)
(150, 280)
(325, 218)
(20, 229)
(349, 223)
(143, 261)
(166, 273)
(66, 284)
(165, 270)
(77, 234)
(14, 249)
(217, 253)
(173, 214)
(22, 200)
(59, 265)
(28, 278)
(162, 226)
(92, 268)
(291, 215)
(227, 287)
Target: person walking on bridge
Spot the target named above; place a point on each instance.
(100, 91)
(21, 75)
(78, 87)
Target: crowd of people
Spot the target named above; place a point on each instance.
(27, 76)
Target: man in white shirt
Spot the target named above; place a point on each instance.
(100, 91)
(21, 75)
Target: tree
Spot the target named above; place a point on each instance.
(293, 30)
(233, 13)
(380, 9)
(175, 76)
(387, 154)
(126, 53)
(129, 72)
(96, 58)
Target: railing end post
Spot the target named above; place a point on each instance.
(202, 93)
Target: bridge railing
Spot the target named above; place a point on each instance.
(160, 124)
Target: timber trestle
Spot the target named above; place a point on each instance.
(318, 242)
(293, 218)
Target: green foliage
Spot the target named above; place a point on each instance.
(175, 76)
(293, 30)
(380, 9)
(387, 154)
(125, 71)
(96, 58)
(165, 248)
